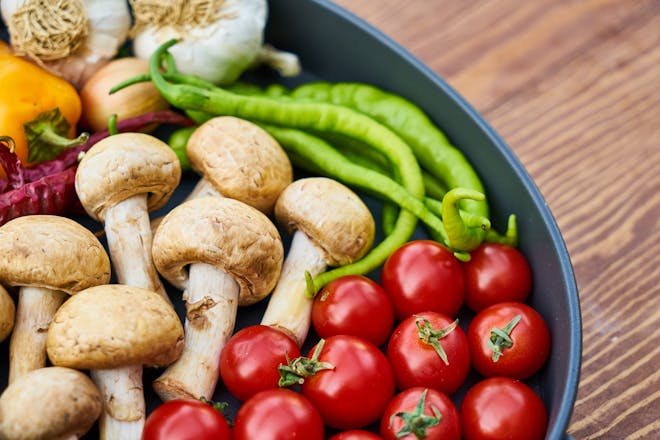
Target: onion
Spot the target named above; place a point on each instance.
(71, 38)
(137, 99)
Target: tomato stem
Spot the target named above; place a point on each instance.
(501, 338)
(296, 370)
(417, 422)
(430, 336)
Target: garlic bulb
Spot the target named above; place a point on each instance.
(219, 39)
(71, 38)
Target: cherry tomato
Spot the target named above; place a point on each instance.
(496, 273)
(277, 414)
(421, 413)
(502, 408)
(416, 349)
(186, 419)
(423, 275)
(355, 434)
(353, 305)
(249, 360)
(354, 392)
(508, 339)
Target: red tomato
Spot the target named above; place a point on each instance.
(184, 419)
(496, 273)
(277, 414)
(356, 434)
(249, 360)
(417, 362)
(353, 305)
(423, 275)
(519, 355)
(502, 408)
(356, 390)
(422, 413)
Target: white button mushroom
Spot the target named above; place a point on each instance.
(49, 403)
(239, 160)
(333, 227)
(42, 254)
(7, 314)
(119, 181)
(116, 330)
(234, 253)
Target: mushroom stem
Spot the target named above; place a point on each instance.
(289, 308)
(203, 188)
(34, 313)
(211, 300)
(124, 411)
(129, 236)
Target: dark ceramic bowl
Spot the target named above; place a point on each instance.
(334, 45)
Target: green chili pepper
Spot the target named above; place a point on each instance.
(178, 141)
(461, 235)
(320, 117)
(431, 147)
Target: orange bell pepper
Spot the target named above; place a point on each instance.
(26, 91)
(4, 48)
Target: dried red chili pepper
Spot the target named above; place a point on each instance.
(49, 186)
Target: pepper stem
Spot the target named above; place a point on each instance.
(431, 336)
(509, 238)
(463, 234)
(46, 135)
(501, 338)
(417, 422)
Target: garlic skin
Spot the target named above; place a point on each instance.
(220, 51)
(109, 23)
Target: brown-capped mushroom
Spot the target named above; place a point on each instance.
(234, 253)
(331, 226)
(48, 257)
(238, 159)
(7, 314)
(49, 403)
(119, 181)
(114, 330)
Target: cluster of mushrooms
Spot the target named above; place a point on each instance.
(79, 343)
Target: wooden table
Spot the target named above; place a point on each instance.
(573, 87)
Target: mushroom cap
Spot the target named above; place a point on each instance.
(53, 252)
(331, 215)
(51, 402)
(230, 235)
(241, 160)
(113, 326)
(7, 314)
(124, 165)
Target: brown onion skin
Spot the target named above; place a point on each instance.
(98, 105)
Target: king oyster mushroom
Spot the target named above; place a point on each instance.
(52, 403)
(116, 329)
(119, 181)
(42, 255)
(7, 314)
(236, 158)
(331, 226)
(222, 253)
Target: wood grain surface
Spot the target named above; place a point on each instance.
(573, 87)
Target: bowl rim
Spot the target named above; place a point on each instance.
(569, 393)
